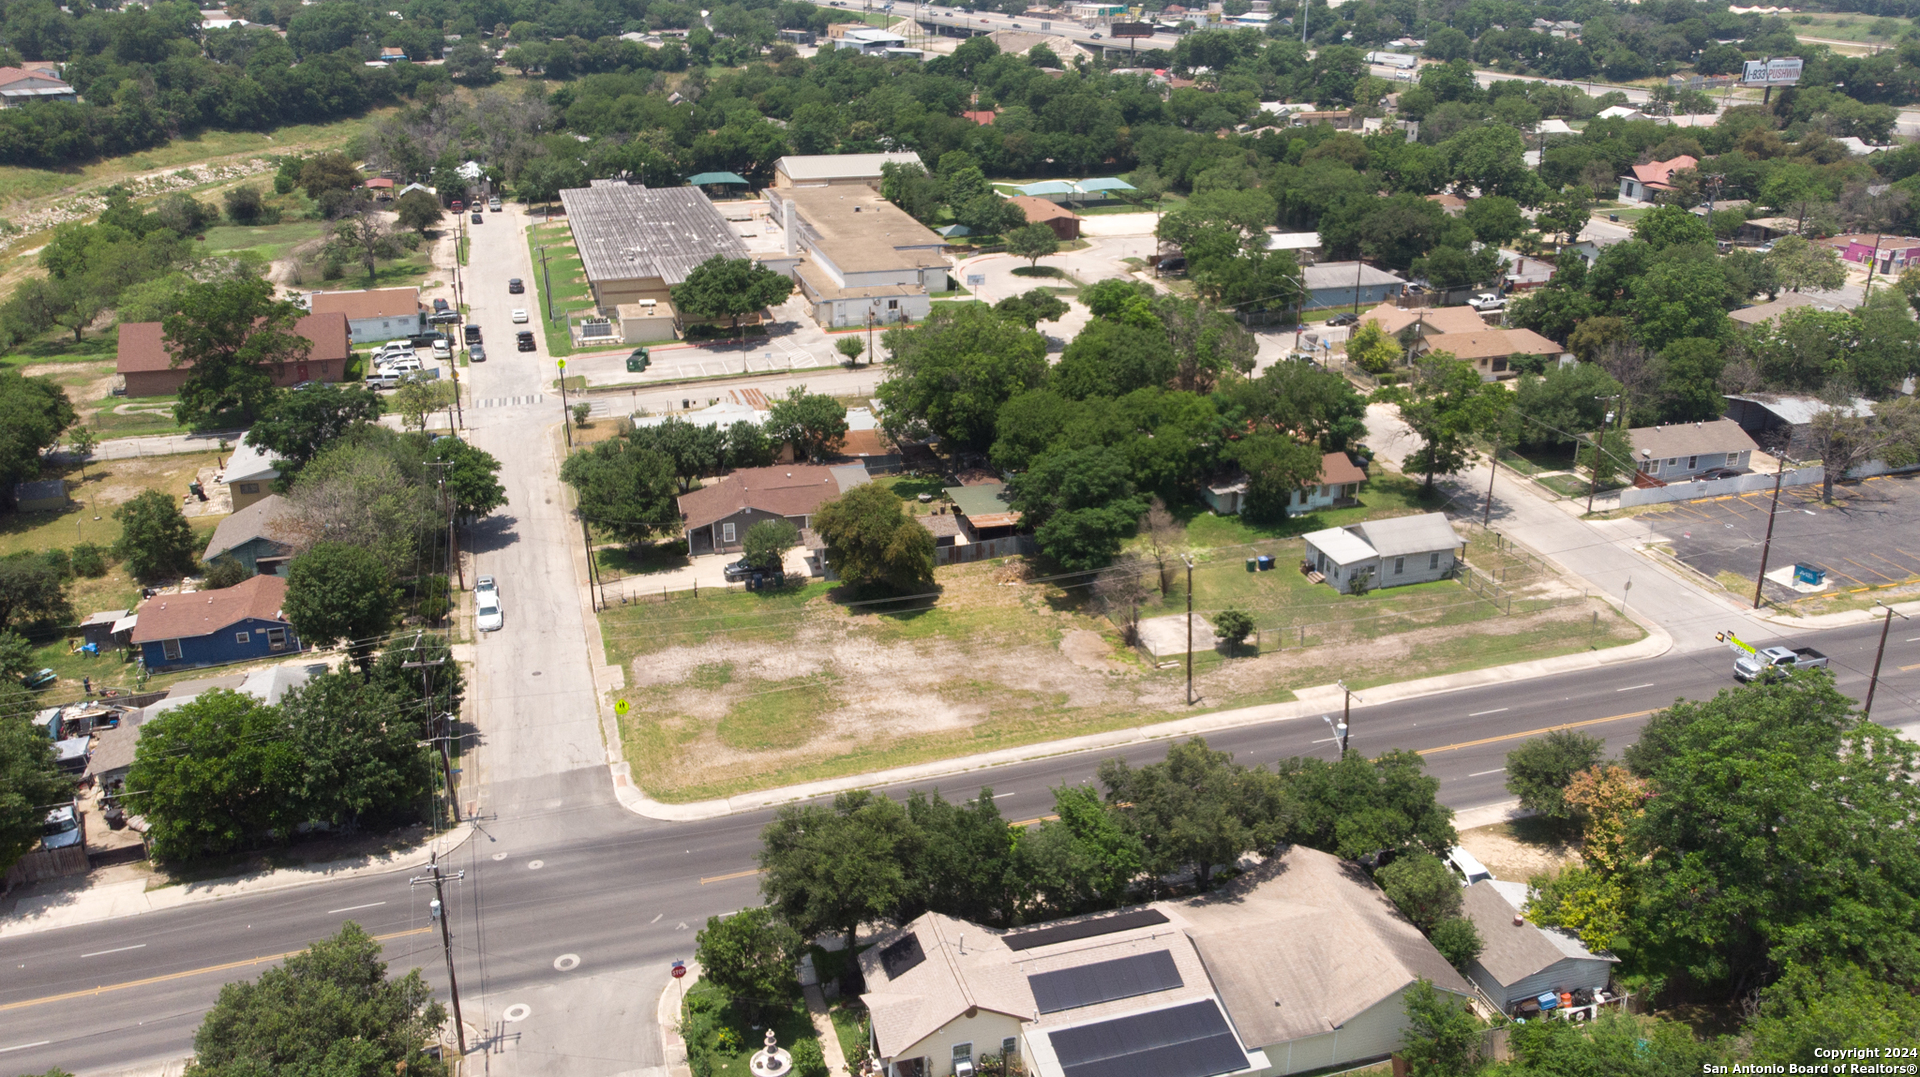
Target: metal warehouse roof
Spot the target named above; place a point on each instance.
(625, 232)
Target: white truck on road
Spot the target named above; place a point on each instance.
(1763, 664)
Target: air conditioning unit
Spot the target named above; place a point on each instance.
(650, 304)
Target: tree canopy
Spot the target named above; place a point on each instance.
(229, 335)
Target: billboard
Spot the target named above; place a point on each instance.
(1782, 71)
(1130, 29)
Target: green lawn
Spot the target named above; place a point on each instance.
(568, 276)
(62, 349)
(270, 241)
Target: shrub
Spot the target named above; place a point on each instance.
(1457, 940)
(89, 560)
(808, 1060)
(434, 598)
(225, 572)
(1233, 626)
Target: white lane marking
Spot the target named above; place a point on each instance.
(1632, 687)
(1484, 773)
(997, 796)
(356, 908)
(24, 1046)
(1496, 710)
(656, 918)
(116, 950)
(1326, 740)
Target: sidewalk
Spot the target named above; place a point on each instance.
(94, 903)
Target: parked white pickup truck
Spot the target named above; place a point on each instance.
(1487, 301)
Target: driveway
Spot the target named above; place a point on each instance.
(705, 573)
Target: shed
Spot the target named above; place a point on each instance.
(1783, 422)
(102, 629)
(1520, 960)
(985, 510)
(45, 495)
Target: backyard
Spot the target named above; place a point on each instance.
(738, 690)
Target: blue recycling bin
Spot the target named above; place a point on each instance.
(1811, 575)
(1266, 562)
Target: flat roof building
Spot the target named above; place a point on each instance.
(637, 242)
(837, 169)
(863, 255)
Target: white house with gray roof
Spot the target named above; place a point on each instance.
(1520, 960)
(1680, 451)
(1385, 553)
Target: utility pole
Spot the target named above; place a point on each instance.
(453, 545)
(1885, 624)
(1346, 716)
(546, 283)
(438, 910)
(566, 416)
(1767, 546)
(1486, 515)
(593, 573)
(1594, 466)
(1189, 563)
(426, 699)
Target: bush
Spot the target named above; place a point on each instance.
(60, 562)
(1233, 626)
(580, 413)
(226, 572)
(1457, 940)
(808, 1060)
(89, 560)
(434, 599)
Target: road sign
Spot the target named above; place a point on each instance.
(975, 280)
(562, 362)
(1130, 29)
(1779, 71)
(679, 969)
(620, 707)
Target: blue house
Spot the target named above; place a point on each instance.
(1348, 284)
(248, 536)
(207, 628)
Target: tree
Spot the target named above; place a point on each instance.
(872, 542)
(747, 445)
(33, 414)
(750, 955)
(963, 863)
(729, 288)
(470, 475)
(1195, 812)
(829, 869)
(1538, 771)
(155, 540)
(851, 346)
(224, 572)
(471, 63)
(414, 400)
(364, 239)
(1033, 306)
(1495, 220)
(1672, 226)
(1457, 940)
(245, 204)
(1567, 214)
(1081, 860)
(950, 374)
(295, 426)
(813, 423)
(1357, 806)
(1233, 626)
(1277, 467)
(766, 543)
(1810, 1014)
(328, 172)
(1421, 887)
(1563, 405)
(1842, 438)
(29, 781)
(215, 775)
(1120, 588)
(1447, 405)
(418, 210)
(1609, 462)
(1372, 350)
(361, 765)
(1799, 263)
(692, 449)
(1081, 504)
(226, 334)
(330, 1008)
(370, 488)
(624, 489)
(340, 593)
(1111, 358)
(1442, 1037)
(1032, 242)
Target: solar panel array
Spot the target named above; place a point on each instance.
(902, 955)
(1084, 929)
(1104, 981)
(1182, 1041)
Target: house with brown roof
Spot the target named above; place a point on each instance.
(33, 82)
(145, 363)
(1498, 354)
(1064, 222)
(715, 517)
(1645, 183)
(1301, 964)
(982, 117)
(1425, 321)
(375, 314)
(1679, 452)
(209, 628)
(1336, 486)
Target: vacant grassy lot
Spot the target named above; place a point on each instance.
(270, 241)
(740, 690)
(569, 280)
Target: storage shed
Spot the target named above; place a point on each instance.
(1521, 960)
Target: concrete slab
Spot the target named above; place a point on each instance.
(1167, 636)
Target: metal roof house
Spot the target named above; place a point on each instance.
(1782, 422)
(635, 243)
(1383, 553)
(1520, 960)
(1340, 284)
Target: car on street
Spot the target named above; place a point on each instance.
(487, 615)
(1097, 35)
(493, 204)
(477, 353)
(479, 217)
(473, 333)
(524, 340)
(514, 287)
(519, 315)
(1339, 320)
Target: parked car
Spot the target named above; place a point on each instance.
(514, 287)
(473, 333)
(519, 316)
(39, 679)
(1338, 320)
(1486, 301)
(385, 379)
(493, 204)
(440, 306)
(442, 349)
(443, 317)
(744, 569)
(1717, 473)
(486, 604)
(477, 353)
(409, 365)
(63, 827)
(394, 349)
(479, 217)
(524, 340)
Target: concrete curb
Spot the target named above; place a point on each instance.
(667, 1012)
(1312, 703)
(116, 900)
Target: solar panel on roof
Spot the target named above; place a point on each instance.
(1084, 929)
(1104, 981)
(1182, 1041)
(902, 955)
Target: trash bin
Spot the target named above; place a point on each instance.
(638, 361)
(1253, 564)
(1266, 562)
(1614, 217)
(1811, 575)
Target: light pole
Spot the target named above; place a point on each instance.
(1766, 547)
(1885, 623)
(1189, 563)
(566, 414)
(438, 911)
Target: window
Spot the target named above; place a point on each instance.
(249, 487)
(170, 650)
(1693, 462)
(1399, 565)
(277, 639)
(1010, 1047)
(1433, 561)
(1499, 365)
(893, 304)
(726, 532)
(963, 1052)
(239, 637)
(1673, 461)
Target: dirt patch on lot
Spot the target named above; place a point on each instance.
(1517, 851)
(1089, 650)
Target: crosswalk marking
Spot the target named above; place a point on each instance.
(508, 401)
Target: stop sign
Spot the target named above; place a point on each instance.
(679, 969)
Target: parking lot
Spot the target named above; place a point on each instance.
(1869, 537)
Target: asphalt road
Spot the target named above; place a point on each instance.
(559, 872)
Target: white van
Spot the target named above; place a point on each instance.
(1467, 867)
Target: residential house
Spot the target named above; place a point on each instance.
(982, 117)
(113, 748)
(145, 363)
(1301, 964)
(254, 537)
(1498, 354)
(1679, 452)
(1384, 553)
(206, 628)
(375, 315)
(837, 169)
(1887, 254)
(1552, 127)
(1337, 484)
(249, 474)
(1783, 422)
(41, 495)
(1064, 222)
(1645, 183)
(636, 243)
(1343, 284)
(393, 54)
(868, 445)
(867, 41)
(1425, 321)
(1765, 312)
(865, 260)
(1304, 245)
(33, 82)
(1767, 229)
(1622, 112)
(1520, 961)
(984, 510)
(715, 517)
